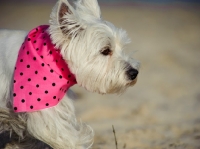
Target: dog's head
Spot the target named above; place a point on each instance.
(92, 47)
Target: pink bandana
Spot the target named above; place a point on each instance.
(41, 76)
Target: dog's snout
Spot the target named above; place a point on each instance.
(132, 73)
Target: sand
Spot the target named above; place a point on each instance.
(162, 111)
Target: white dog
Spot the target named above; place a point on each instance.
(37, 68)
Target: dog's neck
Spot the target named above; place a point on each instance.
(41, 76)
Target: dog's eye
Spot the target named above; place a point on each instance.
(106, 51)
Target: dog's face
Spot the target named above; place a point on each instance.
(92, 47)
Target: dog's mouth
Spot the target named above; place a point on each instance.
(119, 90)
(133, 82)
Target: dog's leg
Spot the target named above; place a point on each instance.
(59, 128)
(27, 145)
(10, 121)
(12, 146)
(13, 132)
(12, 128)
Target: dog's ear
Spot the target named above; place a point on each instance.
(64, 9)
(64, 18)
(64, 23)
(93, 6)
(65, 15)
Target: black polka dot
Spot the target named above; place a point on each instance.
(27, 52)
(36, 72)
(37, 49)
(29, 79)
(37, 85)
(47, 104)
(45, 44)
(28, 66)
(21, 74)
(22, 87)
(14, 81)
(36, 29)
(46, 92)
(15, 108)
(38, 99)
(53, 84)
(51, 70)
(30, 93)
(35, 41)
(29, 39)
(31, 107)
(54, 97)
(67, 82)
(41, 56)
(42, 64)
(14, 94)
(69, 76)
(60, 77)
(34, 58)
(21, 60)
(62, 69)
(50, 52)
(44, 78)
(23, 101)
(15, 68)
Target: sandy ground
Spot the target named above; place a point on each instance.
(162, 111)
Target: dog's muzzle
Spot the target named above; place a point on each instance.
(132, 74)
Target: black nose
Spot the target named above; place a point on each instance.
(132, 74)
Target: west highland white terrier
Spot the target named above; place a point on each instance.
(38, 68)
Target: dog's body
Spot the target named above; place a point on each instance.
(92, 48)
(8, 56)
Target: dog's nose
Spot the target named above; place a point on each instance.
(132, 73)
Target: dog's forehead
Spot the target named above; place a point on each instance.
(112, 33)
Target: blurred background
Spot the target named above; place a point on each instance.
(162, 111)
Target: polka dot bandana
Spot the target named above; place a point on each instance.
(41, 76)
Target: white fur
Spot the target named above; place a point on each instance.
(81, 36)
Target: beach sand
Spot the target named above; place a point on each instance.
(162, 111)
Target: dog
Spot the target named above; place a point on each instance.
(38, 68)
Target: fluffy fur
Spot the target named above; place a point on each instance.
(93, 49)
